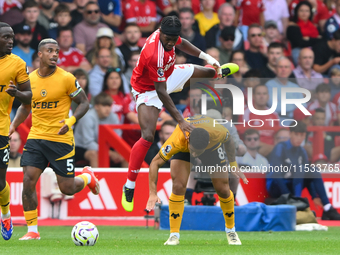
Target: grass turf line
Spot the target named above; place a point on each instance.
(138, 240)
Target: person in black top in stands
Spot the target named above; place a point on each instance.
(256, 55)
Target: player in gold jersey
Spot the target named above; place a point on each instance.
(50, 141)
(206, 142)
(14, 83)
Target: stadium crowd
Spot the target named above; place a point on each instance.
(276, 43)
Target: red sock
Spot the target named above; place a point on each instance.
(138, 153)
(210, 66)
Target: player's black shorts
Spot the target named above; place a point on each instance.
(4, 151)
(211, 157)
(40, 153)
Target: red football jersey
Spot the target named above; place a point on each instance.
(321, 13)
(154, 64)
(266, 136)
(141, 13)
(251, 10)
(72, 57)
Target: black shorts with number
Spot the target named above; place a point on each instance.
(42, 153)
(4, 151)
(211, 157)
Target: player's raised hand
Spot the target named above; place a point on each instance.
(11, 131)
(64, 129)
(238, 174)
(153, 199)
(185, 127)
(12, 89)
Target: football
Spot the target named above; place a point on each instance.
(84, 233)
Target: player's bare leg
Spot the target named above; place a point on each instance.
(226, 197)
(30, 201)
(147, 117)
(6, 221)
(180, 171)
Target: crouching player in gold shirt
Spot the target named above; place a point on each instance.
(50, 141)
(206, 142)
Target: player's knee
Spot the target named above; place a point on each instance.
(223, 191)
(28, 183)
(67, 190)
(149, 137)
(179, 188)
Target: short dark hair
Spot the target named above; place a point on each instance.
(254, 25)
(199, 138)
(236, 51)
(89, 3)
(250, 131)
(170, 25)
(3, 24)
(103, 99)
(275, 45)
(257, 86)
(46, 41)
(187, 9)
(169, 123)
(323, 87)
(301, 127)
(61, 8)
(336, 35)
(252, 73)
(82, 72)
(132, 24)
(297, 7)
(30, 4)
(62, 29)
(319, 110)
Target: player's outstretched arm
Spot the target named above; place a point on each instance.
(230, 150)
(82, 108)
(156, 163)
(170, 106)
(23, 94)
(22, 113)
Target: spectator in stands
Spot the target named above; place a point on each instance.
(23, 38)
(251, 79)
(46, 16)
(333, 23)
(30, 11)
(35, 62)
(305, 76)
(277, 12)
(143, 13)
(334, 83)
(252, 13)
(166, 131)
(283, 71)
(86, 132)
(260, 102)
(193, 107)
(256, 55)
(302, 32)
(186, 16)
(320, 11)
(85, 32)
(13, 15)
(214, 53)
(282, 135)
(327, 54)
(134, 56)
(132, 35)
(291, 153)
(70, 58)
(78, 14)
(96, 75)
(275, 51)
(113, 86)
(6, 5)
(227, 38)
(226, 15)
(237, 57)
(298, 115)
(111, 12)
(271, 33)
(83, 80)
(207, 18)
(323, 100)
(63, 19)
(14, 155)
(227, 112)
(252, 157)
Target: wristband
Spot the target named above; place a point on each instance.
(233, 164)
(70, 121)
(204, 56)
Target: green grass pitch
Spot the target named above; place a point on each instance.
(139, 240)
